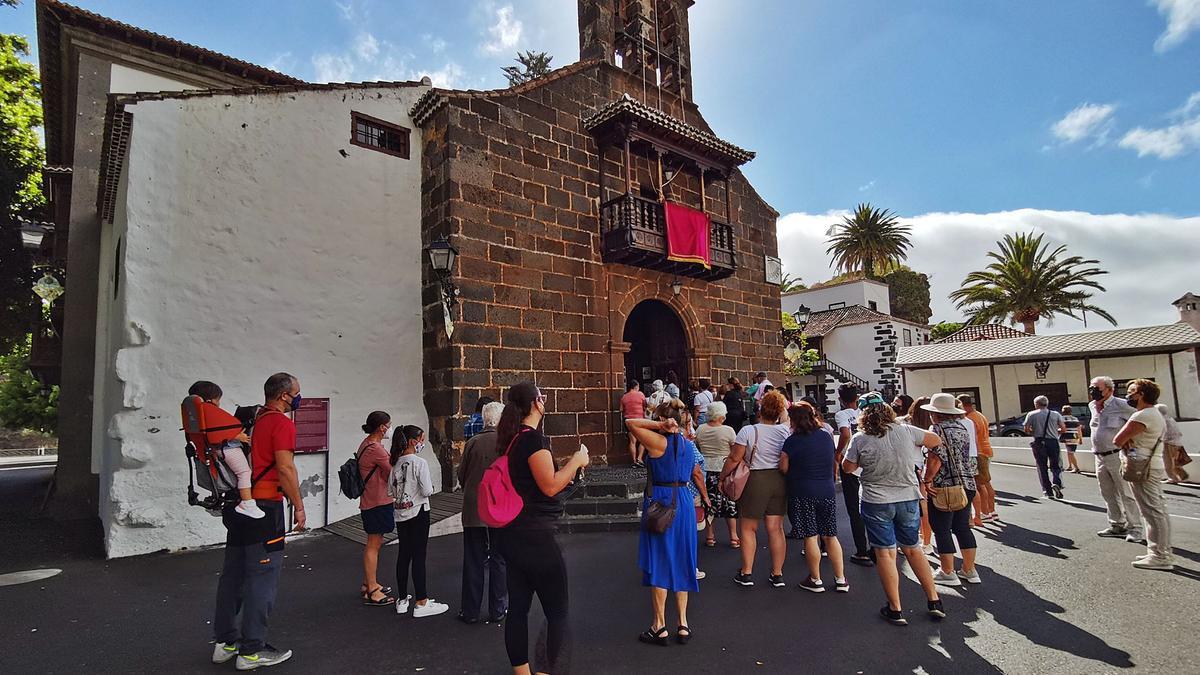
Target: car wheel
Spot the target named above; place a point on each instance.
(1012, 433)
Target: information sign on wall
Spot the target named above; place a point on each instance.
(312, 426)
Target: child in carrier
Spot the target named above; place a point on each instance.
(232, 451)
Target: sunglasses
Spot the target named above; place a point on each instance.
(541, 398)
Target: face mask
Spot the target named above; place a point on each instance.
(420, 446)
(296, 401)
(1095, 393)
(1133, 401)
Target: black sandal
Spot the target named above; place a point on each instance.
(362, 590)
(681, 637)
(658, 637)
(385, 601)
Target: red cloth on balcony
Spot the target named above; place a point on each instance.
(687, 234)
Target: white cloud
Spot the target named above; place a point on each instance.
(1173, 140)
(435, 44)
(282, 62)
(1090, 120)
(366, 47)
(1183, 17)
(948, 246)
(505, 33)
(332, 68)
(867, 186)
(448, 76)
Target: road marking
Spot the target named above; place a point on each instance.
(14, 578)
(1071, 501)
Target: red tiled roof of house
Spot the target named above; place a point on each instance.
(984, 331)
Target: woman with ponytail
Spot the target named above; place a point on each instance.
(535, 562)
(410, 486)
(375, 506)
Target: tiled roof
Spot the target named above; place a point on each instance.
(626, 106)
(822, 323)
(1125, 341)
(985, 331)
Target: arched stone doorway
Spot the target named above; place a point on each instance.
(657, 344)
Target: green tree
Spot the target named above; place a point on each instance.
(945, 329)
(791, 283)
(21, 159)
(531, 65)
(908, 292)
(1027, 282)
(24, 402)
(868, 241)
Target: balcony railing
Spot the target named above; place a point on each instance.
(635, 233)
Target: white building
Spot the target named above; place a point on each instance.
(851, 326)
(1005, 375)
(261, 238)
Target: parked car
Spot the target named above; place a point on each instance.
(1015, 426)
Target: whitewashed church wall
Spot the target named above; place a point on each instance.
(125, 80)
(256, 239)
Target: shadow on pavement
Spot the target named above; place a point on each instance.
(1009, 498)
(1031, 541)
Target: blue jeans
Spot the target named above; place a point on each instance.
(1046, 453)
(889, 525)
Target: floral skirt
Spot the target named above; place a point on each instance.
(723, 507)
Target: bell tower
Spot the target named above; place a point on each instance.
(648, 38)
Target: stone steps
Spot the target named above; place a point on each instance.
(608, 499)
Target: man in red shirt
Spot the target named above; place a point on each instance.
(254, 547)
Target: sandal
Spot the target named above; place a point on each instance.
(385, 601)
(711, 542)
(681, 636)
(736, 543)
(362, 589)
(654, 637)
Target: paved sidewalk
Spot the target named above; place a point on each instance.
(1055, 598)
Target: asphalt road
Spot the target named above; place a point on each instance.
(1055, 598)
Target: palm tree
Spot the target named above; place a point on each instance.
(1028, 282)
(791, 283)
(868, 240)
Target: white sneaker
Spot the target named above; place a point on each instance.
(700, 574)
(928, 549)
(402, 604)
(946, 578)
(972, 578)
(1152, 563)
(249, 509)
(430, 608)
(265, 658)
(224, 652)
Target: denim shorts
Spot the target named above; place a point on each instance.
(889, 525)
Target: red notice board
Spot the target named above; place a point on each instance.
(312, 426)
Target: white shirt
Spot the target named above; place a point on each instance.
(410, 485)
(970, 427)
(770, 442)
(702, 400)
(1149, 440)
(762, 389)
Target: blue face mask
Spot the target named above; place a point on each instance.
(296, 401)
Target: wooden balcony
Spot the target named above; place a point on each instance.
(634, 231)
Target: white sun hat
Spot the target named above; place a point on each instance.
(944, 404)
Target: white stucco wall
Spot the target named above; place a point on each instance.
(853, 348)
(126, 80)
(253, 245)
(1009, 377)
(857, 293)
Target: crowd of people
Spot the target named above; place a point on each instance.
(913, 472)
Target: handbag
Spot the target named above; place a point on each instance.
(1134, 467)
(658, 516)
(1181, 456)
(953, 497)
(734, 482)
(1038, 441)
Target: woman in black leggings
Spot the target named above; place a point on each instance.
(950, 465)
(535, 562)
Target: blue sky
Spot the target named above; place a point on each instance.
(1077, 118)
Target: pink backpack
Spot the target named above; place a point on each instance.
(499, 503)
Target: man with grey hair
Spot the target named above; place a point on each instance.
(1109, 415)
(1045, 425)
(479, 541)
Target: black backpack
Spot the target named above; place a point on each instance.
(750, 406)
(351, 482)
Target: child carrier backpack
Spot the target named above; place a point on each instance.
(750, 406)
(207, 429)
(499, 503)
(350, 479)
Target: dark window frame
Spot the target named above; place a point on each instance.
(907, 336)
(401, 132)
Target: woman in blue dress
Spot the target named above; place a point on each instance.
(668, 560)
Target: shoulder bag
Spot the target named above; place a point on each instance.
(734, 482)
(1038, 442)
(951, 497)
(658, 516)
(1135, 468)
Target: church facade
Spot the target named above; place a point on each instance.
(231, 222)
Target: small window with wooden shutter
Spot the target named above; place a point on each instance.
(376, 134)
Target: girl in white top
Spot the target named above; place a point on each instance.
(1172, 447)
(411, 485)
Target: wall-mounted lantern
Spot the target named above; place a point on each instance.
(676, 286)
(801, 316)
(441, 258)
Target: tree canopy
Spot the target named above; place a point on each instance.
(1027, 282)
(530, 66)
(908, 293)
(868, 241)
(21, 159)
(944, 329)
